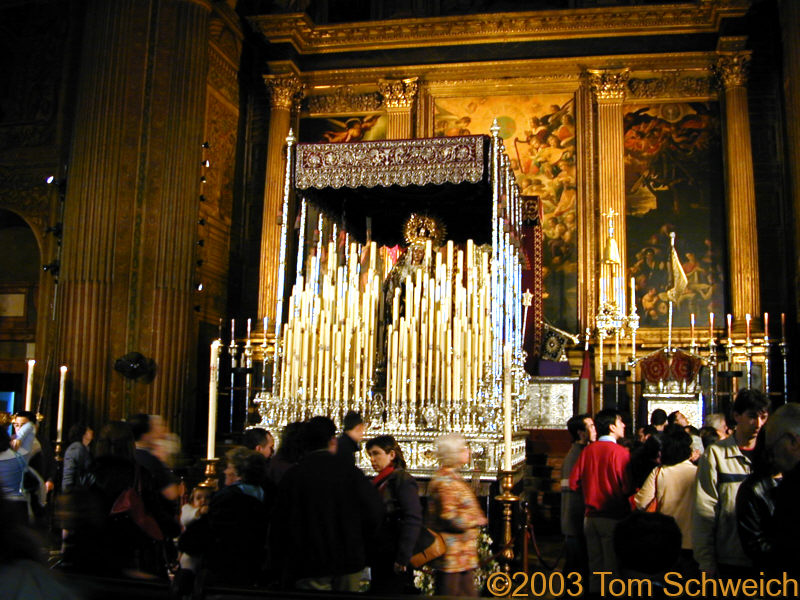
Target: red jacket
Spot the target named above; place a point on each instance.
(601, 474)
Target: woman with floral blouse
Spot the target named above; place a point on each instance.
(453, 510)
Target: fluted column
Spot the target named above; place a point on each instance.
(609, 87)
(176, 200)
(398, 99)
(284, 91)
(790, 25)
(99, 192)
(587, 297)
(740, 193)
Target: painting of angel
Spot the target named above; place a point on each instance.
(355, 128)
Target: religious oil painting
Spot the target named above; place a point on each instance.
(346, 128)
(539, 135)
(674, 183)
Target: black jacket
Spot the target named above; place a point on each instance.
(755, 506)
(402, 521)
(325, 511)
(346, 448)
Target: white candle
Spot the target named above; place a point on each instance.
(766, 326)
(62, 384)
(710, 326)
(212, 398)
(730, 323)
(747, 322)
(691, 323)
(29, 386)
(507, 408)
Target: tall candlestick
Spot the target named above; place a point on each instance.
(507, 408)
(633, 294)
(766, 326)
(747, 322)
(233, 330)
(213, 390)
(730, 323)
(710, 326)
(62, 384)
(249, 324)
(29, 386)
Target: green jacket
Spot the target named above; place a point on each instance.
(720, 472)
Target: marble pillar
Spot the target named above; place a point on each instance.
(399, 96)
(740, 193)
(284, 92)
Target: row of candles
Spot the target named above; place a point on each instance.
(62, 384)
(729, 319)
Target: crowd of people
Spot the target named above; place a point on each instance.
(724, 497)
(304, 517)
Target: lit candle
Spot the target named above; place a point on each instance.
(710, 326)
(266, 327)
(730, 322)
(29, 386)
(62, 384)
(249, 324)
(633, 294)
(766, 326)
(507, 407)
(747, 322)
(233, 331)
(691, 323)
(212, 398)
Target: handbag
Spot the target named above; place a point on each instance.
(430, 545)
(130, 502)
(653, 506)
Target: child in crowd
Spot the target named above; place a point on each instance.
(190, 512)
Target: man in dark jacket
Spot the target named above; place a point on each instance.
(324, 513)
(350, 441)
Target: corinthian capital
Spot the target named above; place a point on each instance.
(284, 90)
(731, 69)
(609, 84)
(398, 93)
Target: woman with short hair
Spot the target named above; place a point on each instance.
(390, 555)
(454, 511)
(77, 458)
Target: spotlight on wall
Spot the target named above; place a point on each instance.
(203, 179)
(206, 163)
(52, 267)
(50, 179)
(199, 287)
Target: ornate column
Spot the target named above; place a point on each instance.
(100, 192)
(587, 276)
(176, 202)
(398, 99)
(790, 25)
(284, 92)
(740, 193)
(609, 87)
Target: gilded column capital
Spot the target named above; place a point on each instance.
(731, 69)
(609, 84)
(398, 93)
(284, 90)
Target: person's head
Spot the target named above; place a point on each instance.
(80, 432)
(718, 422)
(245, 465)
(353, 425)
(658, 419)
(147, 429)
(609, 422)
(200, 496)
(452, 450)
(581, 428)
(22, 417)
(648, 543)
(709, 435)
(750, 412)
(383, 451)
(676, 446)
(260, 440)
(644, 432)
(290, 448)
(677, 417)
(783, 437)
(319, 433)
(115, 440)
